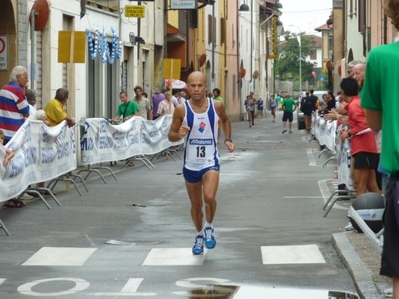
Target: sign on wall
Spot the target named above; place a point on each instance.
(183, 4)
(135, 11)
(3, 52)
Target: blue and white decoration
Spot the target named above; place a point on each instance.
(100, 46)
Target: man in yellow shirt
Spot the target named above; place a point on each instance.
(55, 113)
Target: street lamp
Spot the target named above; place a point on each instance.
(300, 57)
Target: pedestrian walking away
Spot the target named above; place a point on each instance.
(197, 122)
(289, 108)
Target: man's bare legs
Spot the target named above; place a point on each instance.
(199, 193)
(307, 123)
(203, 191)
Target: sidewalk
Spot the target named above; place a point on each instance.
(362, 259)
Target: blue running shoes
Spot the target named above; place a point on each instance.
(209, 239)
(198, 247)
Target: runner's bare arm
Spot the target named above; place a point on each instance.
(226, 125)
(177, 130)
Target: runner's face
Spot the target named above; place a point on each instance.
(197, 87)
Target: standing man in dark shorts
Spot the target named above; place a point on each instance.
(197, 122)
(380, 96)
(289, 107)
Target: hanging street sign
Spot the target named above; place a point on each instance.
(183, 4)
(135, 11)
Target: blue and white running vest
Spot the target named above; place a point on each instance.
(200, 149)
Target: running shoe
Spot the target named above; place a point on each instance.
(284, 131)
(209, 239)
(198, 247)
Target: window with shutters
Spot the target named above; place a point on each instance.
(222, 31)
(313, 54)
(210, 25)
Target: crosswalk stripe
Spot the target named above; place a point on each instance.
(60, 256)
(173, 257)
(295, 254)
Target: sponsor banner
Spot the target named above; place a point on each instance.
(344, 156)
(41, 154)
(328, 134)
(103, 142)
(325, 131)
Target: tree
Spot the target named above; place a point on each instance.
(288, 63)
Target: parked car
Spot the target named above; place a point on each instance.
(300, 117)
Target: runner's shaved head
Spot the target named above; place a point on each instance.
(197, 75)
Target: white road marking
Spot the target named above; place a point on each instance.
(129, 289)
(312, 161)
(80, 285)
(60, 256)
(295, 254)
(325, 192)
(173, 257)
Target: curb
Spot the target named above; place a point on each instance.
(361, 274)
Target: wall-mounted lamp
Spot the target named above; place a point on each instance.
(135, 39)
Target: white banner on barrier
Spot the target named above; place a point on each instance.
(325, 131)
(103, 142)
(344, 161)
(328, 134)
(41, 154)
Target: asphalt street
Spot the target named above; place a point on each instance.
(133, 236)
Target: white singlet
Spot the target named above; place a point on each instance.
(200, 149)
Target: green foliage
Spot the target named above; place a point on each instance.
(288, 63)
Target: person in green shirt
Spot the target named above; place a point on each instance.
(288, 106)
(127, 109)
(379, 97)
(216, 95)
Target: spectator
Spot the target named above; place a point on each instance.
(166, 106)
(182, 97)
(157, 98)
(363, 144)
(13, 105)
(216, 95)
(175, 97)
(351, 65)
(145, 109)
(54, 109)
(307, 107)
(289, 108)
(379, 98)
(31, 98)
(126, 109)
